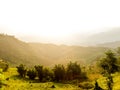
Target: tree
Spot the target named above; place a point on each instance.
(39, 70)
(109, 63)
(109, 66)
(21, 70)
(31, 73)
(118, 56)
(59, 72)
(73, 71)
(47, 74)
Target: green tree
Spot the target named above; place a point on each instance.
(31, 73)
(109, 65)
(21, 70)
(47, 74)
(73, 71)
(118, 56)
(39, 70)
(59, 72)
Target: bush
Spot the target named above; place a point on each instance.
(97, 87)
(86, 85)
(21, 69)
(3, 65)
(31, 73)
(1, 78)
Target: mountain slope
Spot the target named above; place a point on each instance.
(112, 35)
(63, 54)
(110, 44)
(16, 52)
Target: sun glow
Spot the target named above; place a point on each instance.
(57, 20)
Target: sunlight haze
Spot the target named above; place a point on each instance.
(51, 20)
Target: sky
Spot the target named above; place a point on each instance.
(51, 20)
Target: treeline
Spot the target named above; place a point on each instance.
(58, 73)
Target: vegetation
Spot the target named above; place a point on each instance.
(101, 73)
(31, 73)
(21, 70)
(3, 65)
(73, 71)
(39, 70)
(59, 72)
(109, 66)
(109, 63)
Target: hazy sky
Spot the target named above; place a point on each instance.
(58, 18)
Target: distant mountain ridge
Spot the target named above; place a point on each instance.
(110, 44)
(112, 35)
(16, 52)
(109, 35)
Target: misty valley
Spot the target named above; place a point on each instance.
(39, 66)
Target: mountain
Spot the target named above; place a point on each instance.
(111, 35)
(110, 44)
(16, 52)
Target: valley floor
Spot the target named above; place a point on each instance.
(14, 82)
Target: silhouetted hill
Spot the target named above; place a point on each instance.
(16, 52)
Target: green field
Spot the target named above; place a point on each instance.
(17, 83)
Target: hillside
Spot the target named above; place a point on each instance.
(110, 44)
(110, 35)
(64, 54)
(15, 52)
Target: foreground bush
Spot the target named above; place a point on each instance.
(1, 78)
(3, 65)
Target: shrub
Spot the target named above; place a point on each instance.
(31, 73)
(21, 69)
(86, 85)
(3, 65)
(97, 87)
(1, 78)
